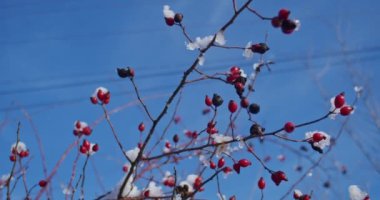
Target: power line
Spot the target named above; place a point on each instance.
(177, 71)
(164, 87)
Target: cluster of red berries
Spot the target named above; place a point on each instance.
(88, 148)
(191, 134)
(198, 183)
(282, 20)
(81, 128)
(237, 165)
(20, 151)
(241, 163)
(340, 103)
(238, 78)
(101, 94)
(169, 181)
(297, 194)
(278, 176)
(211, 129)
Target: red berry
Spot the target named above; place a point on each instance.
(276, 22)
(283, 14)
(261, 183)
(208, 101)
(244, 103)
(227, 170)
(339, 100)
(12, 157)
(95, 148)
(366, 198)
(305, 197)
(146, 193)
(87, 131)
(236, 167)
(42, 183)
(86, 144)
(244, 163)
(212, 165)
(194, 135)
(317, 137)
(101, 95)
(235, 70)
(346, 110)
(23, 154)
(289, 127)
(177, 119)
(94, 100)
(232, 106)
(296, 194)
(232, 197)
(169, 21)
(83, 149)
(125, 168)
(198, 183)
(141, 127)
(239, 86)
(107, 98)
(168, 145)
(78, 124)
(278, 176)
(221, 162)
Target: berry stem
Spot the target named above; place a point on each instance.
(140, 100)
(14, 163)
(258, 14)
(106, 115)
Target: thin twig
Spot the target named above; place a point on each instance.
(258, 14)
(140, 99)
(114, 133)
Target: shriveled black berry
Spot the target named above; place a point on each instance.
(178, 17)
(256, 130)
(125, 72)
(254, 108)
(217, 100)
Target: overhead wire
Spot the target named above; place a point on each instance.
(81, 82)
(168, 86)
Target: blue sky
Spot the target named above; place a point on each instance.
(53, 54)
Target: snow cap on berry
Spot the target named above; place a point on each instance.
(21, 147)
(168, 13)
(248, 53)
(356, 193)
(132, 154)
(297, 194)
(318, 142)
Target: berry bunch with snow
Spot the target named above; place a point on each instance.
(101, 95)
(282, 20)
